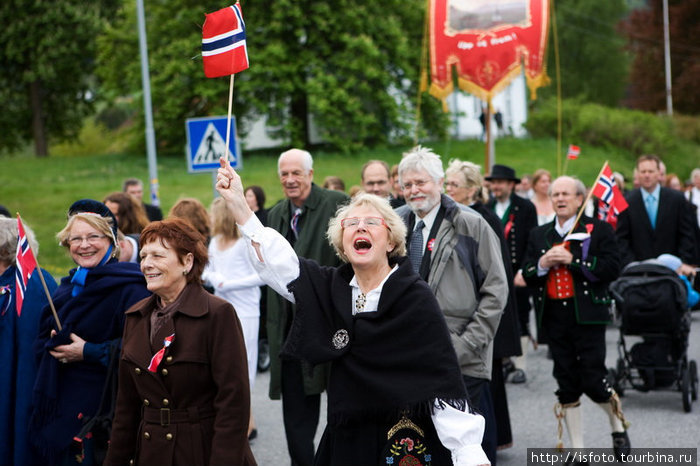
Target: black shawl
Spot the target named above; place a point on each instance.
(399, 358)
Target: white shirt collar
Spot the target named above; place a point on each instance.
(501, 207)
(563, 229)
(429, 218)
(371, 297)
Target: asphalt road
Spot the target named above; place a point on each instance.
(657, 417)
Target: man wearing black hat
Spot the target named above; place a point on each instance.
(518, 216)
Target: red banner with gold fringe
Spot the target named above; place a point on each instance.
(489, 42)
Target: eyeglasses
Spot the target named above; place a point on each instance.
(418, 184)
(452, 184)
(78, 240)
(354, 222)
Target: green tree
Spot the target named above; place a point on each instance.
(350, 67)
(594, 62)
(46, 67)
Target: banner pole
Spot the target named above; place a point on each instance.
(588, 198)
(487, 122)
(422, 78)
(557, 66)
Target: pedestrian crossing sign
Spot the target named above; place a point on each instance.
(206, 142)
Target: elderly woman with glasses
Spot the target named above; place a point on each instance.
(395, 392)
(74, 359)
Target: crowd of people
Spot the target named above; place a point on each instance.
(147, 351)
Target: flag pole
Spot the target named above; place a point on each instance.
(588, 198)
(228, 121)
(46, 290)
(48, 296)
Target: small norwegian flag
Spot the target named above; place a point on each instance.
(158, 357)
(573, 152)
(26, 264)
(609, 194)
(224, 48)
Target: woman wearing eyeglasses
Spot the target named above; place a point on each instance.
(395, 393)
(74, 360)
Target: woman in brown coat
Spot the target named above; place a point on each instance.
(183, 387)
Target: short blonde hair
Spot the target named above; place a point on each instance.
(397, 229)
(99, 223)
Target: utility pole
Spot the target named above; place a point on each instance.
(147, 110)
(667, 60)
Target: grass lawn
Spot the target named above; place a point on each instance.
(41, 190)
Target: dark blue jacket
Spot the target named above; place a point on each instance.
(63, 392)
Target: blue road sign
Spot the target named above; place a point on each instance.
(206, 142)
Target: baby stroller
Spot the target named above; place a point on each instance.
(650, 301)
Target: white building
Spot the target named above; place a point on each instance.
(511, 102)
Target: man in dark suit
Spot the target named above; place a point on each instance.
(134, 188)
(570, 276)
(518, 216)
(657, 220)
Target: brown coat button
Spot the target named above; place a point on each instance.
(146, 402)
(146, 435)
(168, 436)
(164, 371)
(166, 402)
(169, 359)
(138, 371)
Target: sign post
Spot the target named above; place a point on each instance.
(206, 142)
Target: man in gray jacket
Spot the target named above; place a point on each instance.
(457, 253)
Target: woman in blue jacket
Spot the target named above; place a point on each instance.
(73, 361)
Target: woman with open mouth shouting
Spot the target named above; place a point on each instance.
(395, 392)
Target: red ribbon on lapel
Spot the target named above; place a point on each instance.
(158, 357)
(509, 225)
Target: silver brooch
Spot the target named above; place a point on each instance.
(341, 339)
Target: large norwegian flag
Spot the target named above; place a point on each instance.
(224, 49)
(608, 192)
(26, 264)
